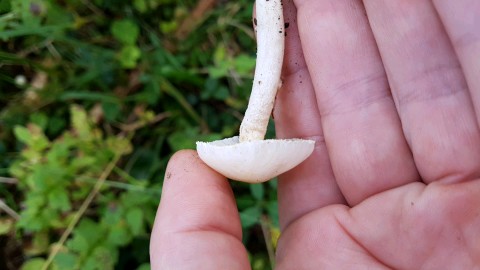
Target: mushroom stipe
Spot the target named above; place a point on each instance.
(248, 157)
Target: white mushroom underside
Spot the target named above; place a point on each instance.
(254, 161)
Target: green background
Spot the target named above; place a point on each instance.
(95, 96)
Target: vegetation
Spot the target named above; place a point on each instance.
(95, 96)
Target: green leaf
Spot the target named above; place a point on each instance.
(65, 260)
(39, 119)
(58, 154)
(221, 93)
(134, 199)
(135, 220)
(78, 243)
(91, 264)
(39, 244)
(113, 214)
(257, 191)
(218, 72)
(45, 177)
(29, 11)
(273, 184)
(25, 30)
(145, 266)
(140, 5)
(119, 145)
(23, 135)
(56, 124)
(111, 110)
(119, 235)
(5, 7)
(85, 229)
(5, 225)
(168, 27)
(57, 14)
(213, 88)
(181, 140)
(80, 122)
(250, 216)
(272, 210)
(259, 263)
(244, 64)
(220, 54)
(103, 257)
(125, 31)
(245, 201)
(88, 96)
(129, 56)
(186, 139)
(33, 264)
(58, 199)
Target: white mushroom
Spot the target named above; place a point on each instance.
(250, 158)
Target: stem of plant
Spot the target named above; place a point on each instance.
(270, 49)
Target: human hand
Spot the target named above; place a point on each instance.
(393, 102)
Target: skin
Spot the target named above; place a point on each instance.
(390, 91)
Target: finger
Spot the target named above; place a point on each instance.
(462, 22)
(310, 185)
(197, 224)
(429, 89)
(362, 130)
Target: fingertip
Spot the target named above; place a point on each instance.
(197, 222)
(183, 154)
(187, 161)
(195, 197)
(182, 158)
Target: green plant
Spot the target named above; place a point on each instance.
(59, 176)
(66, 70)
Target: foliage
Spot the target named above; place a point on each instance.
(58, 175)
(102, 91)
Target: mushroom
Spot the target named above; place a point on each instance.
(248, 157)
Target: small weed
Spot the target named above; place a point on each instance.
(95, 96)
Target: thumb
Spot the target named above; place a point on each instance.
(197, 224)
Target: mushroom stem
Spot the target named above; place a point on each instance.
(250, 158)
(270, 49)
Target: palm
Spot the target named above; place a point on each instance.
(390, 91)
(410, 227)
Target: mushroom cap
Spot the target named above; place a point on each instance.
(254, 161)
